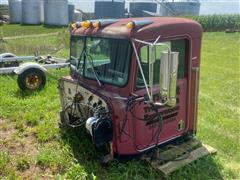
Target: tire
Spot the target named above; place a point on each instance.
(31, 79)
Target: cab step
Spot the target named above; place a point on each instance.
(174, 157)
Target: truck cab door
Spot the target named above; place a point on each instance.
(158, 124)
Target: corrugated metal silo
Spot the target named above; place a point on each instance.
(137, 8)
(56, 12)
(15, 11)
(32, 11)
(180, 7)
(71, 9)
(109, 9)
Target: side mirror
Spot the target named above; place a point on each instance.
(168, 77)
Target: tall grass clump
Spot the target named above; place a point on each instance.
(211, 23)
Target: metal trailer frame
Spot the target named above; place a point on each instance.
(58, 63)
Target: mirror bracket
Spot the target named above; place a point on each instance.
(168, 73)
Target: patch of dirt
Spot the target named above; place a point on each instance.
(21, 145)
(6, 132)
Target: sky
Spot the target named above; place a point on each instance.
(207, 6)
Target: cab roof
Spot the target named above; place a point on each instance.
(165, 27)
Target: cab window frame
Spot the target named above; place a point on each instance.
(182, 70)
(129, 58)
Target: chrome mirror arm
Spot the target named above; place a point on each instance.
(155, 43)
(140, 67)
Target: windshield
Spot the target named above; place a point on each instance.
(102, 59)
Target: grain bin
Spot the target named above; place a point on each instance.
(71, 9)
(109, 9)
(180, 8)
(15, 11)
(137, 8)
(56, 12)
(32, 11)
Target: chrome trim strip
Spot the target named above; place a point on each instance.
(196, 70)
(141, 150)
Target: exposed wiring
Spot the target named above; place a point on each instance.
(131, 100)
(159, 129)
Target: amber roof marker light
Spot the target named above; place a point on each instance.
(131, 25)
(86, 24)
(103, 22)
(97, 24)
(93, 23)
(75, 25)
(138, 23)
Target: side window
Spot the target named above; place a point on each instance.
(144, 55)
(180, 46)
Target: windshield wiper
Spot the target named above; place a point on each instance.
(92, 67)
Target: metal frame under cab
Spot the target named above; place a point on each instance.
(57, 63)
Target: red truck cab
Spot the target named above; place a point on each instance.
(134, 82)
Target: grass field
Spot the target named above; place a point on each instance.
(20, 30)
(32, 145)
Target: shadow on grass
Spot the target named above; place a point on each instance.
(87, 156)
(83, 150)
(80, 142)
(23, 94)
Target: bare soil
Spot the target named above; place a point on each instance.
(20, 145)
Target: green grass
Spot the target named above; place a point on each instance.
(56, 44)
(4, 159)
(20, 30)
(65, 153)
(55, 157)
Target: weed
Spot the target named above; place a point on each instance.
(54, 157)
(47, 130)
(22, 164)
(4, 159)
(76, 171)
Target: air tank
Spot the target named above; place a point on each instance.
(15, 11)
(71, 9)
(32, 11)
(56, 12)
(137, 8)
(180, 8)
(109, 9)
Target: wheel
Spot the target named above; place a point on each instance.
(31, 79)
